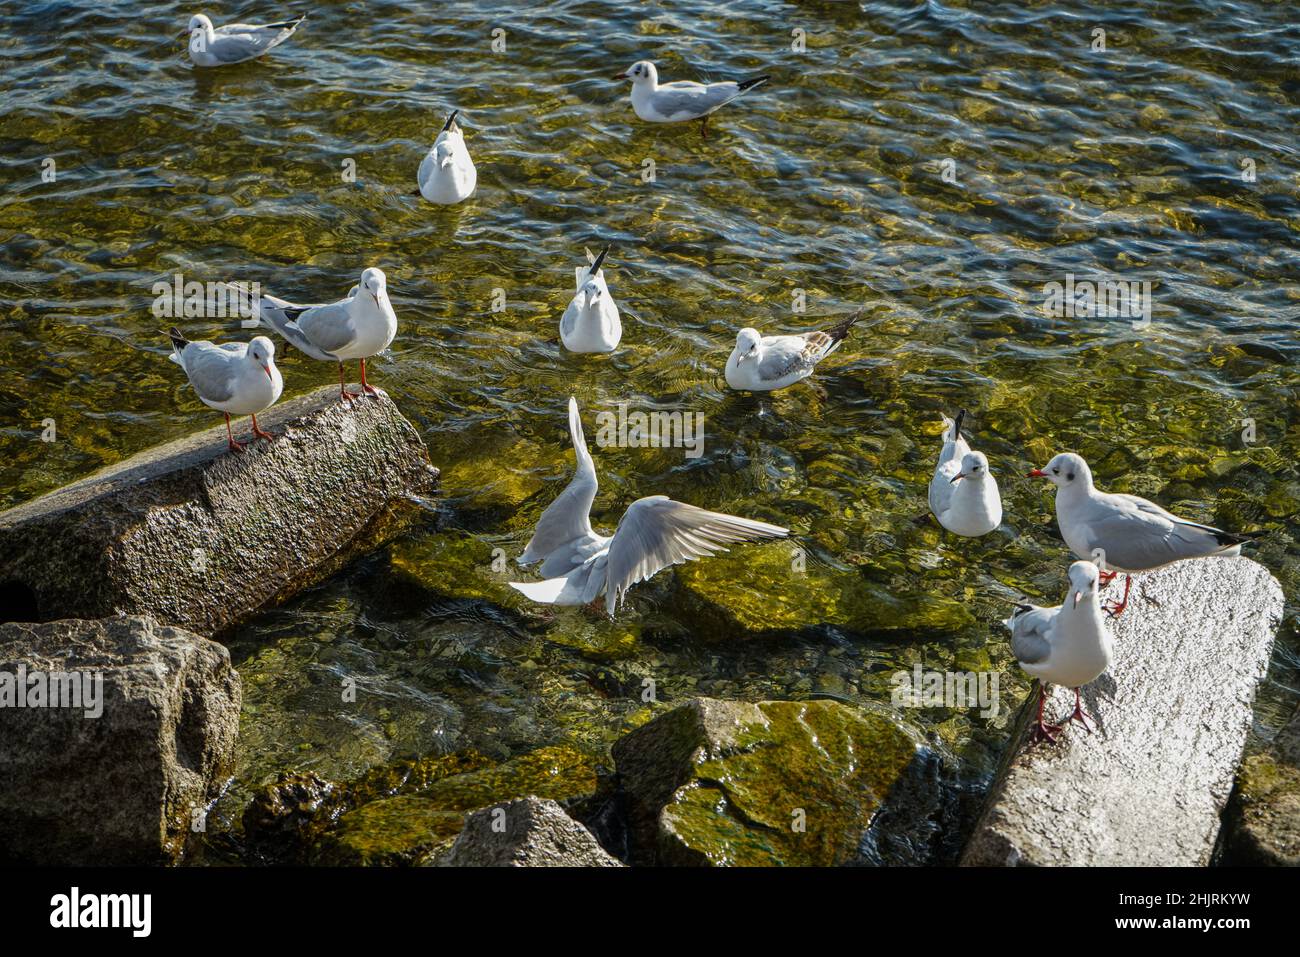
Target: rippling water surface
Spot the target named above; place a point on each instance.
(829, 180)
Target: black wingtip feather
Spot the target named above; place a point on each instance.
(596, 264)
(956, 425)
(840, 332)
(178, 340)
(744, 85)
(450, 120)
(1238, 538)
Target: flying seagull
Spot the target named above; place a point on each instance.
(655, 532)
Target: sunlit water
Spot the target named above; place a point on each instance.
(829, 181)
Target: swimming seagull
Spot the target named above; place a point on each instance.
(963, 492)
(447, 174)
(1124, 533)
(765, 363)
(591, 322)
(1066, 645)
(654, 533)
(358, 327)
(680, 100)
(235, 378)
(235, 42)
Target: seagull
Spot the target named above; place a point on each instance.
(234, 377)
(447, 174)
(1067, 645)
(1124, 533)
(235, 42)
(973, 507)
(591, 322)
(766, 363)
(358, 327)
(680, 100)
(655, 532)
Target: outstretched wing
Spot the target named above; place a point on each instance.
(564, 539)
(656, 532)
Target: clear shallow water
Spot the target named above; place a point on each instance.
(827, 180)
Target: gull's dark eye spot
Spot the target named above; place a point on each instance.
(1056, 471)
(1070, 477)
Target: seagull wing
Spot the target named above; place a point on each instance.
(212, 370)
(563, 539)
(785, 355)
(328, 328)
(656, 532)
(1136, 535)
(1029, 626)
(244, 41)
(685, 99)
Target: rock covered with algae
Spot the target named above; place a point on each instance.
(775, 783)
(529, 832)
(199, 537)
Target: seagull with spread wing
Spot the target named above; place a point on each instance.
(655, 532)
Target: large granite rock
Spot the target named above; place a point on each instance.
(781, 782)
(529, 832)
(201, 537)
(1173, 712)
(125, 785)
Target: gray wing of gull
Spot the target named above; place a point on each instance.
(1029, 634)
(329, 328)
(783, 355)
(687, 99)
(657, 532)
(243, 41)
(1136, 534)
(213, 370)
(564, 539)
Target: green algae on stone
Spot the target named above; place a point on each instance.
(457, 565)
(555, 772)
(781, 782)
(402, 830)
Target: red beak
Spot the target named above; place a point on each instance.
(267, 370)
(621, 76)
(1037, 473)
(1077, 596)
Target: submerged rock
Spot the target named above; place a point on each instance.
(197, 536)
(780, 782)
(1172, 714)
(529, 832)
(1262, 823)
(289, 814)
(408, 813)
(125, 785)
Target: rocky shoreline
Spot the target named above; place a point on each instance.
(106, 572)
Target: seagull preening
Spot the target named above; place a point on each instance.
(655, 532)
(235, 42)
(591, 322)
(1067, 645)
(963, 492)
(447, 174)
(1124, 533)
(358, 327)
(681, 100)
(765, 363)
(235, 378)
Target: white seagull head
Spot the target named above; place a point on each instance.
(594, 287)
(261, 352)
(1083, 581)
(974, 466)
(641, 73)
(374, 282)
(747, 341)
(200, 21)
(1066, 470)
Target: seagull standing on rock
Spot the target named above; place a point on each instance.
(358, 327)
(681, 100)
(591, 322)
(1067, 645)
(447, 174)
(766, 363)
(963, 492)
(234, 378)
(1124, 533)
(654, 533)
(235, 42)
